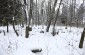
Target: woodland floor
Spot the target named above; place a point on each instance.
(65, 43)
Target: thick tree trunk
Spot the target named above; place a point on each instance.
(27, 31)
(30, 17)
(82, 39)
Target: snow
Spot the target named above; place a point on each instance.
(65, 43)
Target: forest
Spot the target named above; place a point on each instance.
(42, 27)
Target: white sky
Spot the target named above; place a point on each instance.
(79, 1)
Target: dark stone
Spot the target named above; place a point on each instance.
(66, 28)
(41, 31)
(36, 50)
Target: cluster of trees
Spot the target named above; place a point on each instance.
(10, 12)
(72, 13)
(35, 12)
(10, 8)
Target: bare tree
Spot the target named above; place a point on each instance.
(28, 28)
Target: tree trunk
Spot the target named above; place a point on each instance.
(7, 26)
(49, 23)
(56, 20)
(82, 39)
(14, 29)
(30, 17)
(49, 18)
(26, 32)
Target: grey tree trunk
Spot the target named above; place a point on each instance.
(28, 28)
(26, 14)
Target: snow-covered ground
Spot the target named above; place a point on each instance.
(65, 43)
